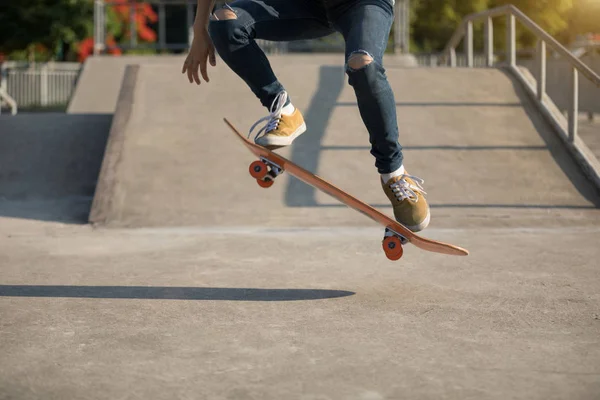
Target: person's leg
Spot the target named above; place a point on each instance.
(234, 28)
(366, 25)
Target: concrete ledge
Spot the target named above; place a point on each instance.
(105, 190)
(580, 151)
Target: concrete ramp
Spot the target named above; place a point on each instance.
(229, 298)
(49, 165)
(487, 157)
(100, 81)
(101, 77)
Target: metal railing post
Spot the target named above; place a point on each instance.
(573, 104)
(133, 24)
(401, 27)
(96, 23)
(511, 40)
(433, 60)
(397, 30)
(469, 44)
(162, 33)
(541, 61)
(99, 26)
(453, 57)
(489, 42)
(406, 27)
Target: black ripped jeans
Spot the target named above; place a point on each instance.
(365, 26)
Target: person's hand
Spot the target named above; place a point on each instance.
(201, 49)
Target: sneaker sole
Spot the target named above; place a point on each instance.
(281, 141)
(422, 225)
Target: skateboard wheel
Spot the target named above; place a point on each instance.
(392, 246)
(258, 170)
(266, 183)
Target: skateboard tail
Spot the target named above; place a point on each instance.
(439, 247)
(422, 243)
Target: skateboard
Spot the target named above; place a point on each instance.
(270, 165)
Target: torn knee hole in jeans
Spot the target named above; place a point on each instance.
(359, 59)
(224, 13)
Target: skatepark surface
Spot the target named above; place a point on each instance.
(138, 258)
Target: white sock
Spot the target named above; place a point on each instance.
(288, 110)
(387, 177)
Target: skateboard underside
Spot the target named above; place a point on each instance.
(270, 165)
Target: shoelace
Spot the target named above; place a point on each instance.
(273, 118)
(404, 190)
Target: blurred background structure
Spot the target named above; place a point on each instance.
(40, 69)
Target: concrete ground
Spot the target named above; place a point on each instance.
(198, 284)
(307, 314)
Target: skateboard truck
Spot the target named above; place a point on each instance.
(392, 244)
(265, 172)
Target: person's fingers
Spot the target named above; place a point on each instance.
(192, 72)
(195, 73)
(203, 70)
(185, 65)
(211, 56)
(189, 72)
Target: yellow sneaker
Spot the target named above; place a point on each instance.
(408, 200)
(280, 129)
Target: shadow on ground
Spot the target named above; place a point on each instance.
(49, 165)
(307, 152)
(170, 293)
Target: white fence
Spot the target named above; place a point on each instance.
(434, 60)
(40, 84)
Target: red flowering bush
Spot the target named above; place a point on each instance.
(119, 25)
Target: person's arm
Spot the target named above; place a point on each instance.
(203, 15)
(202, 47)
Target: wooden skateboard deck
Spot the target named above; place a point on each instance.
(270, 165)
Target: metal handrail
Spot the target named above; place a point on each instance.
(459, 33)
(11, 102)
(537, 90)
(509, 10)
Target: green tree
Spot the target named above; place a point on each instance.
(550, 15)
(434, 21)
(583, 18)
(49, 24)
(57, 29)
